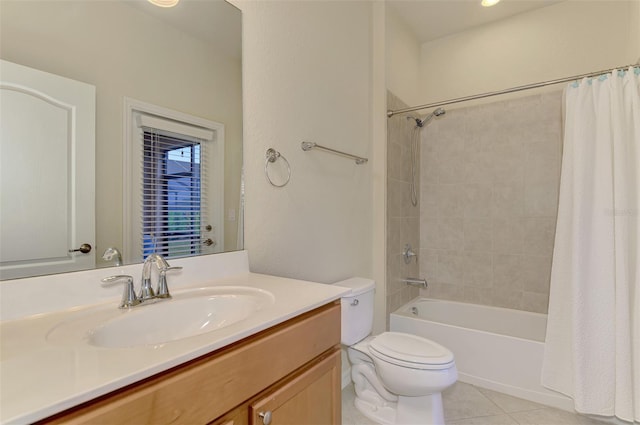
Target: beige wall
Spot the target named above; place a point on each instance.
(565, 39)
(403, 59)
(308, 76)
(127, 57)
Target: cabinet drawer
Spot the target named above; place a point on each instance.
(206, 388)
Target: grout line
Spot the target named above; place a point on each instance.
(490, 400)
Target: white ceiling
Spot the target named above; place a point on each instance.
(432, 19)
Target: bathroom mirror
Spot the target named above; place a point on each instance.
(186, 59)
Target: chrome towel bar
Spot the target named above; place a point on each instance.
(307, 146)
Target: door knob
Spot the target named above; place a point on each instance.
(266, 417)
(85, 248)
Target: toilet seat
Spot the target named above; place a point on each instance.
(411, 351)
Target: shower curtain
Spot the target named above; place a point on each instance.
(592, 350)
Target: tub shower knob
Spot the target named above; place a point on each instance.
(265, 416)
(408, 254)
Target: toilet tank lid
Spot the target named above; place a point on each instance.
(358, 285)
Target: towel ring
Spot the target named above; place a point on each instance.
(271, 156)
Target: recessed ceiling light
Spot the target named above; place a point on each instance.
(166, 3)
(485, 3)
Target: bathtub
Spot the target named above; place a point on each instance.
(495, 348)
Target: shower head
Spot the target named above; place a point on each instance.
(421, 122)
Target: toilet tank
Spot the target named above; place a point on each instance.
(356, 309)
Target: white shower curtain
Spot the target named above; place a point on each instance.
(592, 350)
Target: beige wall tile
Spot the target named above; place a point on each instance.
(428, 264)
(429, 233)
(444, 291)
(536, 273)
(404, 219)
(507, 272)
(478, 167)
(478, 269)
(489, 208)
(538, 303)
(508, 163)
(540, 199)
(478, 234)
(429, 205)
(450, 233)
(506, 298)
(477, 200)
(450, 268)
(539, 235)
(429, 168)
(507, 200)
(450, 198)
(508, 235)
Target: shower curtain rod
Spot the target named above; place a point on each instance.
(391, 113)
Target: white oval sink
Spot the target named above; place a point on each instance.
(189, 313)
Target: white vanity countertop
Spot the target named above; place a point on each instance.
(40, 378)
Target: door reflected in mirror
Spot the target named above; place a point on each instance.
(185, 59)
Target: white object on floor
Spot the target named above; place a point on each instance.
(398, 377)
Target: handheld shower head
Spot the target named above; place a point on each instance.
(421, 122)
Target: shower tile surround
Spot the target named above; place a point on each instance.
(488, 202)
(403, 219)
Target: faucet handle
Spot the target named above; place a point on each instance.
(129, 298)
(163, 288)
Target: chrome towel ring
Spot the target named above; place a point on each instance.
(271, 156)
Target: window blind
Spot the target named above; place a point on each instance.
(173, 192)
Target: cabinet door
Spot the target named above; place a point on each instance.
(311, 398)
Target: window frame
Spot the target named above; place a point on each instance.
(131, 228)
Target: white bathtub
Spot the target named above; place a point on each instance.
(495, 348)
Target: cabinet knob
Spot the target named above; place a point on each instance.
(266, 417)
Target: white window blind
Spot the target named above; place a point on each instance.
(173, 188)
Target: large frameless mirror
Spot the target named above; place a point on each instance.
(169, 77)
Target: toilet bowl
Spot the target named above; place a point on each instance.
(398, 378)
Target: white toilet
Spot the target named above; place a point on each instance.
(398, 377)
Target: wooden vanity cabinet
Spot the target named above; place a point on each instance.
(291, 371)
(311, 396)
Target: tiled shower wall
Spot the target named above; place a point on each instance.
(403, 219)
(489, 197)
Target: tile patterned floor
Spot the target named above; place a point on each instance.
(466, 404)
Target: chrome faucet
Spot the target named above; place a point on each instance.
(146, 290)
(111, 253)
(129, 298)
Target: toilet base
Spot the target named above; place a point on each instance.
(425, 410)
(384, 415)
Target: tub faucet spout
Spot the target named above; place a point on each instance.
(414, 281)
